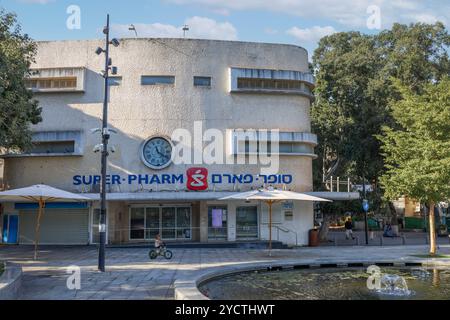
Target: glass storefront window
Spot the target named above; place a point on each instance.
(247, 223)
(217, 223)
(152, 223)
(172, 223)
(183, 223)
(137, 223)
(168, 222)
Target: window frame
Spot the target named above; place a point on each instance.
(158, 83)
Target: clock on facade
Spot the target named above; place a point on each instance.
(156, 153)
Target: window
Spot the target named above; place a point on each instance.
(260, 141)
(52, 144)
(52, 83)
(217, 223)
(172, 223)
(157, 80)
(137, 223)
(70, 79)
(272, 84)
(114, 81)
(53, 147)
(271, 81)
(202, 81)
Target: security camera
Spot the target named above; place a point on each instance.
(114, 70)
(99, 51)
(98, 148)
(115, 42)
(113, 149)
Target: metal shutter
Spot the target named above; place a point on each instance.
(58, 227)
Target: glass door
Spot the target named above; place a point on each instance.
(168, 223)
(217, 223)
(95, 225)
(137, 224)
(247, 223)
(184, 223)
(10, 229)
(152, 223)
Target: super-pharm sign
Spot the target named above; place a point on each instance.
(195, 179)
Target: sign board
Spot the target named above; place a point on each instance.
(366, 206)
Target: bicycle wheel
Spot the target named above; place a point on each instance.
(153, 255)
(168, 254)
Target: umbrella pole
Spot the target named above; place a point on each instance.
(38, 228)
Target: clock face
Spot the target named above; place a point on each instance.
(157, 153)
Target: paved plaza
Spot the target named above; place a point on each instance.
(131, 275)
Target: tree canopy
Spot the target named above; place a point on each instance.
(18, 109)
(354, 75)
(417, 153)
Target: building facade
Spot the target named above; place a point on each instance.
(164, 85)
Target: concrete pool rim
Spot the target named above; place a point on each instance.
(188, 288)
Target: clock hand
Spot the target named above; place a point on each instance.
(157, 150)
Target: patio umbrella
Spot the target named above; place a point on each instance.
(271, 196)
(40, 194)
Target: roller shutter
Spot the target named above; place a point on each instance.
(58, 227)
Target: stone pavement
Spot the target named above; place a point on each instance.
(131, 275)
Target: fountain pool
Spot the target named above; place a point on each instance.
(331, 284)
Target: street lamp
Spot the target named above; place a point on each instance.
(106, 135)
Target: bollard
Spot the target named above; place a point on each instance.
(335, 241)
(426, 240)
(404, 240)
(357, 241)
(381, 241)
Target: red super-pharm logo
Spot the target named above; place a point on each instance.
(197, 179)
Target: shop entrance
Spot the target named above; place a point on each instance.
(247, 223)
(217, 223)
(172, 223)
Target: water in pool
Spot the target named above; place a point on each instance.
(332, 284)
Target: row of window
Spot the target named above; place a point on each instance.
(52, 83)
(162, 80)
(243, 83)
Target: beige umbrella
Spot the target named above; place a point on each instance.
(271, 196)
(40, 194)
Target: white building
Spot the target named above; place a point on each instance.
(164, 85)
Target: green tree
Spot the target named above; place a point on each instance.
(354, 87)
(417, 152)
(18, 109)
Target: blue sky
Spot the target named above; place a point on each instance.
(300, 22)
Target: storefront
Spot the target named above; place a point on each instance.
(187, 130)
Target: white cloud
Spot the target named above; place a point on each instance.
(199, 28)
(312, 34)
(350, 13)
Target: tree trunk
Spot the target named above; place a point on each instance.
(433, 247)
(394, 216)
(323, 234)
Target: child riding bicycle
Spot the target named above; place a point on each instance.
(159, 244)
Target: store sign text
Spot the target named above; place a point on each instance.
(196, 179)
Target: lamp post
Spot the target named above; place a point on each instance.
(106, 135)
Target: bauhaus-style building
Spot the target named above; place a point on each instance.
(164, 85)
